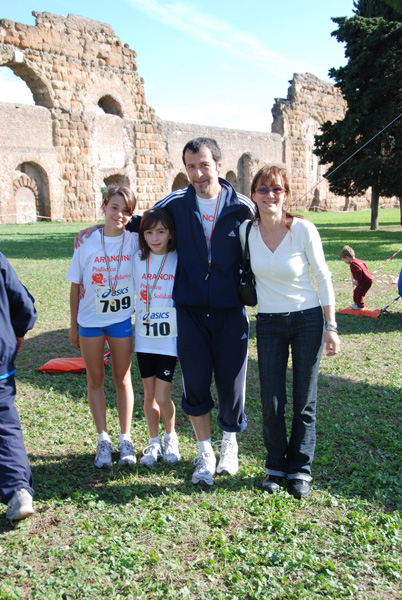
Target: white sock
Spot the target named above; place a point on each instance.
(206, 446)
(123, 437)
(104, 437)
(170, 436)
(229, 436)
(154, 440)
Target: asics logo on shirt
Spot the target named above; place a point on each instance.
(232, 234)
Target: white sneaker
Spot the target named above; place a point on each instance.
(20, 506)
(103, 458)
(355, 307)
(205, 468)
(151, 454)
(171, 452)
(127, 453)
(228, 461)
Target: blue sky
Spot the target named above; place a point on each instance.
(215, 62)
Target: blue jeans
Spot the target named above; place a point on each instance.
(303, 332)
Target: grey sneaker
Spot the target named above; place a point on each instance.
(127, 453)
(171, 452)
(103, 458)
(205, 468)
(20, 506)
(151, 454)
(228, 461)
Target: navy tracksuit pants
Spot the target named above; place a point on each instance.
(214, 341)
(15, 472)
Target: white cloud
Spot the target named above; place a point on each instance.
(187, 19)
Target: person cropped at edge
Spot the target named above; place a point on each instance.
(17, 316)
(283, 249)
(212, 323)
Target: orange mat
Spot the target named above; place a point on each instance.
(66, 365)
(362, 312)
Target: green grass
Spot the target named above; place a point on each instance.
(151, 534)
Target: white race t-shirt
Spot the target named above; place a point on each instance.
(155, 329)
(207, 208)
(99, 308)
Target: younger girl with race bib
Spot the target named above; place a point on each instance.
(156, 330)
(103, 264)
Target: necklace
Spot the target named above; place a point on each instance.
(159, 273)
(214, 219)
(112, 284)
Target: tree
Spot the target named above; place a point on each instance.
(371, 83)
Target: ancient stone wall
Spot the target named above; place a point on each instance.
(310, 103)
(243, 152)
(91, 127)
(72, 65)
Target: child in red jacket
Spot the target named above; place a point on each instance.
(362, 278)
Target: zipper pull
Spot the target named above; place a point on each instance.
(209, 270)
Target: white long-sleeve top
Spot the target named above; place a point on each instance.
(283, 277)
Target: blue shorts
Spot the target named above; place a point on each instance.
(124, 329)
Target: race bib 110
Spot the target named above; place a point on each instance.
(158, 322)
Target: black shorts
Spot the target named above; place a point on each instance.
(156, 365)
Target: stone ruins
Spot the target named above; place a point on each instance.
(91, 127)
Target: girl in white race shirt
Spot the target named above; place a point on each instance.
(156, 331)
(103, 264)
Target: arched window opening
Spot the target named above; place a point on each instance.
(180, 182)
(107, 104)
(14, 89)
(31, 193)
(231, 177)
(115, 179)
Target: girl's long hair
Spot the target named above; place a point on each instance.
(149, 220)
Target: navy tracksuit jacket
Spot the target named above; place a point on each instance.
(17, 316)
(211, 320)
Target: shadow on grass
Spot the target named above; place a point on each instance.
(40, 246)
(359, 431)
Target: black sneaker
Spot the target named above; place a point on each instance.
(272, 483)
(299, 488)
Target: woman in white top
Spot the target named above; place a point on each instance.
(284, 250)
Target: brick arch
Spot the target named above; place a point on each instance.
(26, 181)
(36, 83)
(33, 177)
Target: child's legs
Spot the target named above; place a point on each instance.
(151, 407)
(92, 349)
(360, 291)
(166, 406)
(121, 350)
(157, 373)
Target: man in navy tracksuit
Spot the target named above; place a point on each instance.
(17, 316)
(212, 323)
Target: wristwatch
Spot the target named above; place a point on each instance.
(331, 326)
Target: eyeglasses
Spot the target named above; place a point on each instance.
(277, 190)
